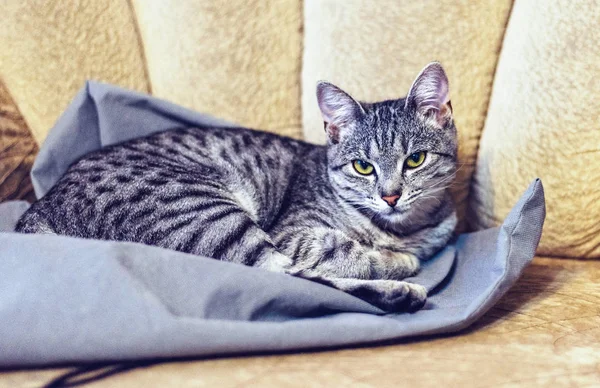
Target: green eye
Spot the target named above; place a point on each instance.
(363, 167)
(415, 160)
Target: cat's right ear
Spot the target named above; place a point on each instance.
(430, 96)
(338, 109)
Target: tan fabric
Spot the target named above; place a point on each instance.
(544, 121)
(49, 48)
(375, 52)
(17, 151)
(236, 59)
(241, 60)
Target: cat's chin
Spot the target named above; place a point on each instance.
(393, 216)
(388, 218)
(401, 219)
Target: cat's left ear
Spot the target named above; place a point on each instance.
(429, 94)
(338, 109)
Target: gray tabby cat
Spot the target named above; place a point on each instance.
(357, 214)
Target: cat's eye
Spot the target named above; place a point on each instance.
(362, 167)
(415, 160)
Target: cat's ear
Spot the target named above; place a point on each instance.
(430, 96)
(338, 108)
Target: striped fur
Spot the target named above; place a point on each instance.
(262, 200)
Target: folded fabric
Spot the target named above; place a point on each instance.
(65, 299)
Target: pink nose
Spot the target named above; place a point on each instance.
(391, 199)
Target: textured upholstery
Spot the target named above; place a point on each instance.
(17, 151)
(49, 48)
(255, 62)
(543, 121)
(376, 52)
(238, 59)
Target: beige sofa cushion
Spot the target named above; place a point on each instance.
(49, 48)
(544, 121)
(236, 59)
(375, 52)
(17, 151)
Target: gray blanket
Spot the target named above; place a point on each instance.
(64, 299)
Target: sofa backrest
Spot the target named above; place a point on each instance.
(256, 62)
(544, 121)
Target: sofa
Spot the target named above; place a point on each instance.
(525, 89)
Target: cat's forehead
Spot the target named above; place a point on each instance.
(388, 126)
(385, 111)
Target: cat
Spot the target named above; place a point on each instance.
(357, 214)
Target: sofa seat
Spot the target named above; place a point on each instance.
(545, 331)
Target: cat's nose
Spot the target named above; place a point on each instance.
(391, 199)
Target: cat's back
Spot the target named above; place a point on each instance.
(118, 191)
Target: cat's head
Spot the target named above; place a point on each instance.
(393, 159)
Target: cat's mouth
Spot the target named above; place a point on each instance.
(395, 211)
(391, 216)
(386, 213)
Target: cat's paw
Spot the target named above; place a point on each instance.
(388, 295)
(391, 295)
(274, 261)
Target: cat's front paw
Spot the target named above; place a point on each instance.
(388, 295)
(274, 261)
(391, 295)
